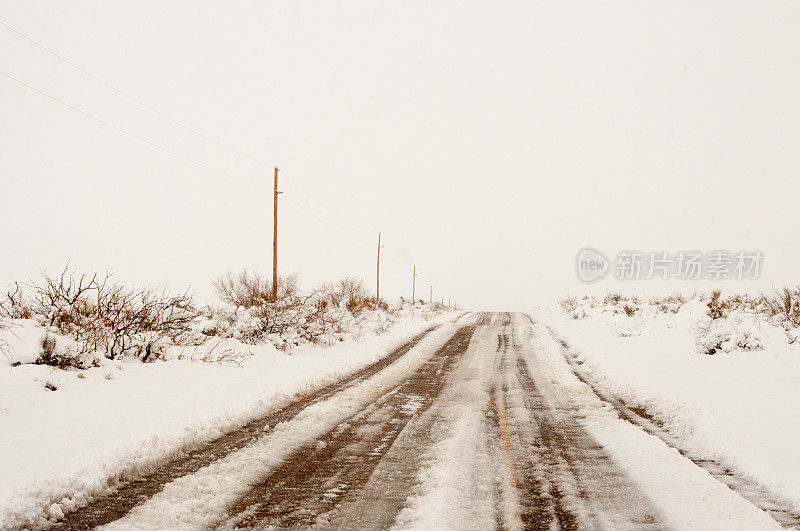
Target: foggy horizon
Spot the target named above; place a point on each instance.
(488, 146)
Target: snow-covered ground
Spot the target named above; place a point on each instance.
(736, 407)
(515, 379)
(684, 495)
(64, 445)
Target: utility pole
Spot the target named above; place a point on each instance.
(430, 297)
(378, 273)
(414, 286)
(275, 240)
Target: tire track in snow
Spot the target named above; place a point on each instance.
(566, 479)
(462, 482)
(319, 477)
(204, 499)
(118, 503)
(512, 514)
(779, 509)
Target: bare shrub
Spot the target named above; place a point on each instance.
(243, 289)
(330, 294)
(374, 304)
(669, 304)
(281, 316)
(248, 289)
(231, 357)
(349, 291)
(744, 302)
(676, 298)
(630, 311)
(5, 348)
(99, 314)
(721, 308)
(612, 298)
(353, 289)
(14, 305)
(137, 321)
(784, 304)
(218, 351)
(718, 308)
(69, 299)
(569, 304)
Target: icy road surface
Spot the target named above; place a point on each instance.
(479, 424)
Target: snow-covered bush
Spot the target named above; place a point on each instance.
(569, 304)
(63, 355)
(670, 304)
(739, 330)
(579, 313)
(5, 348)
(287, 325)
(101, 315)
(333, 312)
(631, 327)
(784, 306)
(87, 317)
(715, 323)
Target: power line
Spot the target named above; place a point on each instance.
(131, 97)
(169, 118)
(128, 133)
(179, 124)
(110, 125)
(323, 205)
(325, 223)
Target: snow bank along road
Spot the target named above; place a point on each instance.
(482, 423)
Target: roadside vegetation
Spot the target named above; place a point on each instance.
(88, 317)
(719, 323)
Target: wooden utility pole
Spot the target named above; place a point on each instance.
(414, 286)
(275, 240)
(378, 272)
(430, 297)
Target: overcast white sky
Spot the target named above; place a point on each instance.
(488, 141)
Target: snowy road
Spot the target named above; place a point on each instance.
(479, 424)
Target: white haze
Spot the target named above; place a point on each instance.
(489, 142)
